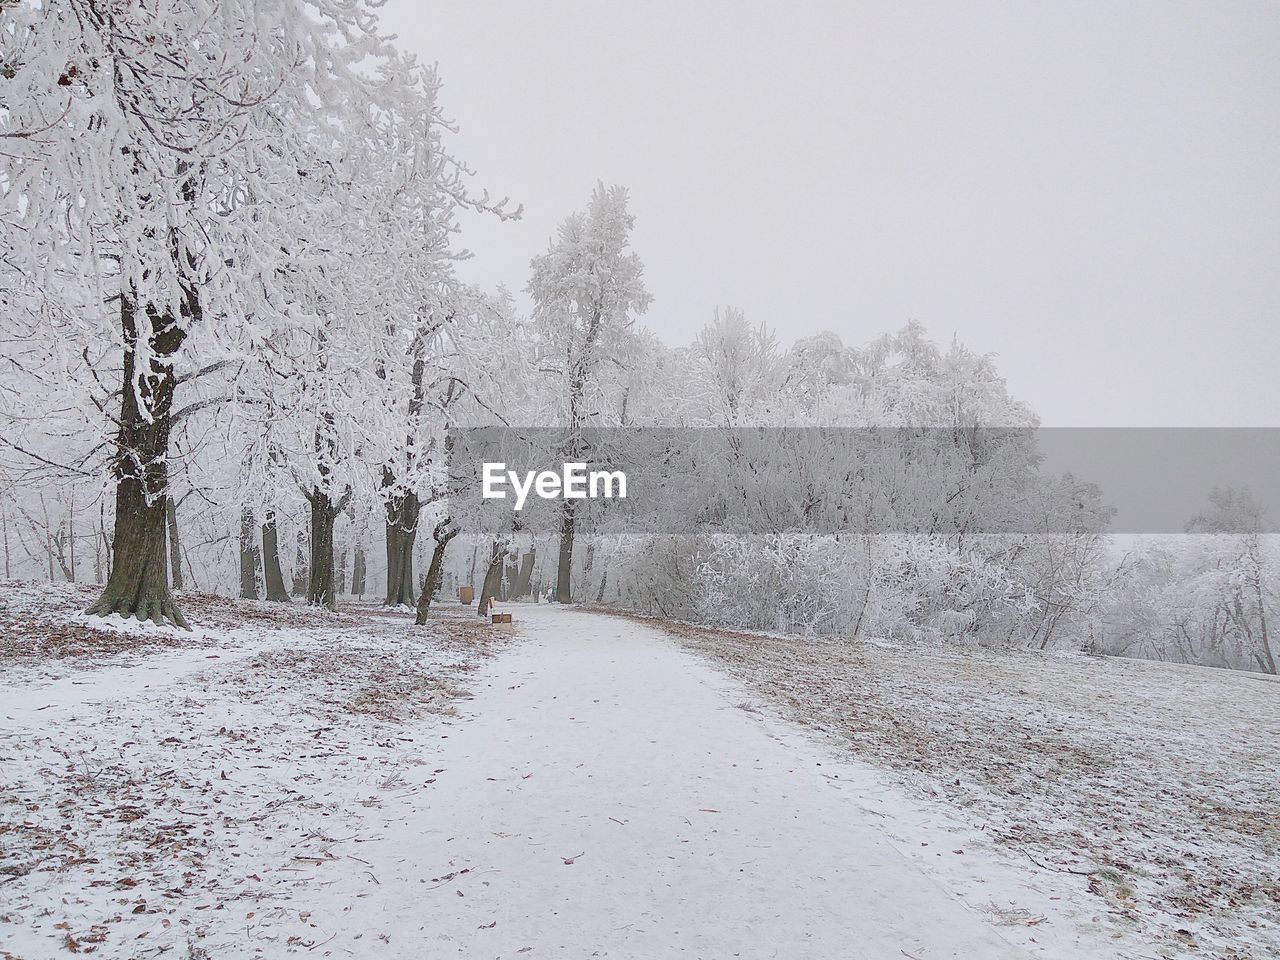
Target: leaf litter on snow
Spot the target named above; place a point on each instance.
(182, 816)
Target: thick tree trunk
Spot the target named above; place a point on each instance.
(272, 576)
(175, 548)
(402, 533)
(138, 585)
(358, 573)
(520, 585)
(323, 514)
(443, 533)
(395, 564)
(564, 568)
(524, 574)
(492, 578)
(249, 557)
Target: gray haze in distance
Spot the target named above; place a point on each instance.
(1089, 190)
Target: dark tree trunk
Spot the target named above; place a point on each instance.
(273, 577)
(564, 568)
(404, 509)
(175, 550)
(444, 532)
(323, 515)
(138, 585)
(358, 573)
(492, 578)
(402, 533)
(249, 556)
(520, 584)
(341, 575)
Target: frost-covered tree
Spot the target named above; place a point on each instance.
(1208, 596)
(587, 290)
(876, 512)
(463, 352)
(739, 365)
(148, 154)
(213, 185)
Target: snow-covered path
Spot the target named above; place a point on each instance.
(608, 796)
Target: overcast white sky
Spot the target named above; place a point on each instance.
(1089, 190)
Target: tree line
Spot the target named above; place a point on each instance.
(235, 345)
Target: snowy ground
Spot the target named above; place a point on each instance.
(293, 783)
(1155, 785)
(195, 795)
